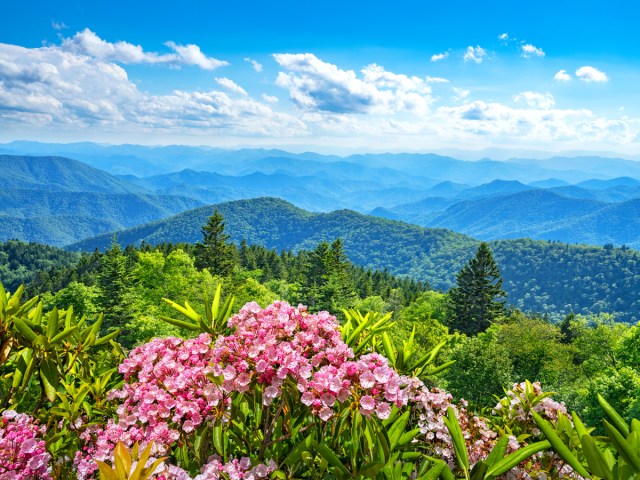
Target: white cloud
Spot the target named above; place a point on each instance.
(536, 99)
(503, 36)
(270, 99)
(58, 25)
(591, 74)
(231, 86)
(439, 56)
(562, 76)
(436, 80)
(54, 92)
(460, 93)
(257, 66)
(88, 43)
(529, 50)
(475, 54)
(315, 85)
(53, 88)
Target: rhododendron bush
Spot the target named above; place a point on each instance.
(269, 393)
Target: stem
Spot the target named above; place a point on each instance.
(269, 431)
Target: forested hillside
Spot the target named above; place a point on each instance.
(58, 200)
(540, 276)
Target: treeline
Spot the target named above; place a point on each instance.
(493, 344)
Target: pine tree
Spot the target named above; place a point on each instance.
(475, 301)
(327, 282)
(115, 298)
(215, 253)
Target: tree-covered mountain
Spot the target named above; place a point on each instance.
(58, 200)
(59, 174)
(539, 276)
(20, 261)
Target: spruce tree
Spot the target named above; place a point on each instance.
(115, 298)
(215, 253)
(476, 299)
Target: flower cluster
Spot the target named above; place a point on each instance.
(431, 407)
(514, 409)
(167, 393)
(234, 469)
(268, 345)
(216, 470)
(369, 381)
(22, 451)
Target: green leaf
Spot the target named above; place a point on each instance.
(63, 335)
(49, 378)
(370, 470)
(331, 457)
(106, 338)
(434, 472)
(513, 459)
(558, 445)
(595, 459)
(624, 449)
(179, 323)
(22, 367)
(614, 416)
(498, 451)
(397, 430)
(25, 330)
(451, 422)
(52, 325)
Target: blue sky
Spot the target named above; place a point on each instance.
(357, 75)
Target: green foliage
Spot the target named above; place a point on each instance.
(535, 350)
(476, 299)
(20, 261)
(614, 457)
(215, 253)
(115, 289)
(545, 277)
(481, 370)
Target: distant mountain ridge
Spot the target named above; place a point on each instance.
(483, 198)
(58, 200)
(591, 280)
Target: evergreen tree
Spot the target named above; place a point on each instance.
(115, 298)
(328, 285)
(215, 253)
(475, 301)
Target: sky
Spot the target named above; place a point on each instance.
(332, 75)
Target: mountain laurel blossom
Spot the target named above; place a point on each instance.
(22, 451)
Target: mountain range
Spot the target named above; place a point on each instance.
(56, 200)
(427, 190)
(540, 276)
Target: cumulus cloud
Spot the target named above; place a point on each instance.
(460, 93)
(439, 56)
(257, 66)
(591, 74)
(503, 36)
(55, 88)
(231, 86)
(316, 85)
(88, 43)
(535, 99)
(529, 50)
(474, 54)
(562, 76)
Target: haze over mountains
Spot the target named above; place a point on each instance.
(63, 201)
(585, 199)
